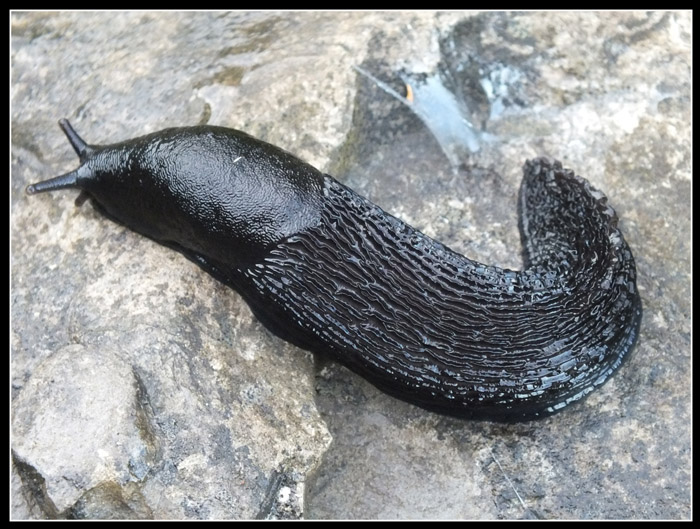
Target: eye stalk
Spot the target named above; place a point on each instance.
(68, 180)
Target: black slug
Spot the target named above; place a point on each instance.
(328, 270)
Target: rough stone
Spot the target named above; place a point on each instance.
(142, 388)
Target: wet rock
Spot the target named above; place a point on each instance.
(96, 425)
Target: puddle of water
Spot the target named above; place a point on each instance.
(441, 112)
(445, 113)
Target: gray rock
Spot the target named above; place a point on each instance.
(142, 388)
(97, 426)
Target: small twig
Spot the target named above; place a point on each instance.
(381, 84)
(493, 456)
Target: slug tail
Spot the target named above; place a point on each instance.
(65, 181)
(79, 145)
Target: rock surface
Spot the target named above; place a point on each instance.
(142, 388)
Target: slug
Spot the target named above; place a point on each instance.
(329, 271)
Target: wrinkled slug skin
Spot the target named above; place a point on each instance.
(329, 271)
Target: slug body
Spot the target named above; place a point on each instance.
(329, 271)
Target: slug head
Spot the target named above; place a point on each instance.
(209, 191)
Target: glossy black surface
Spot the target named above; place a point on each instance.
(328, 270)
